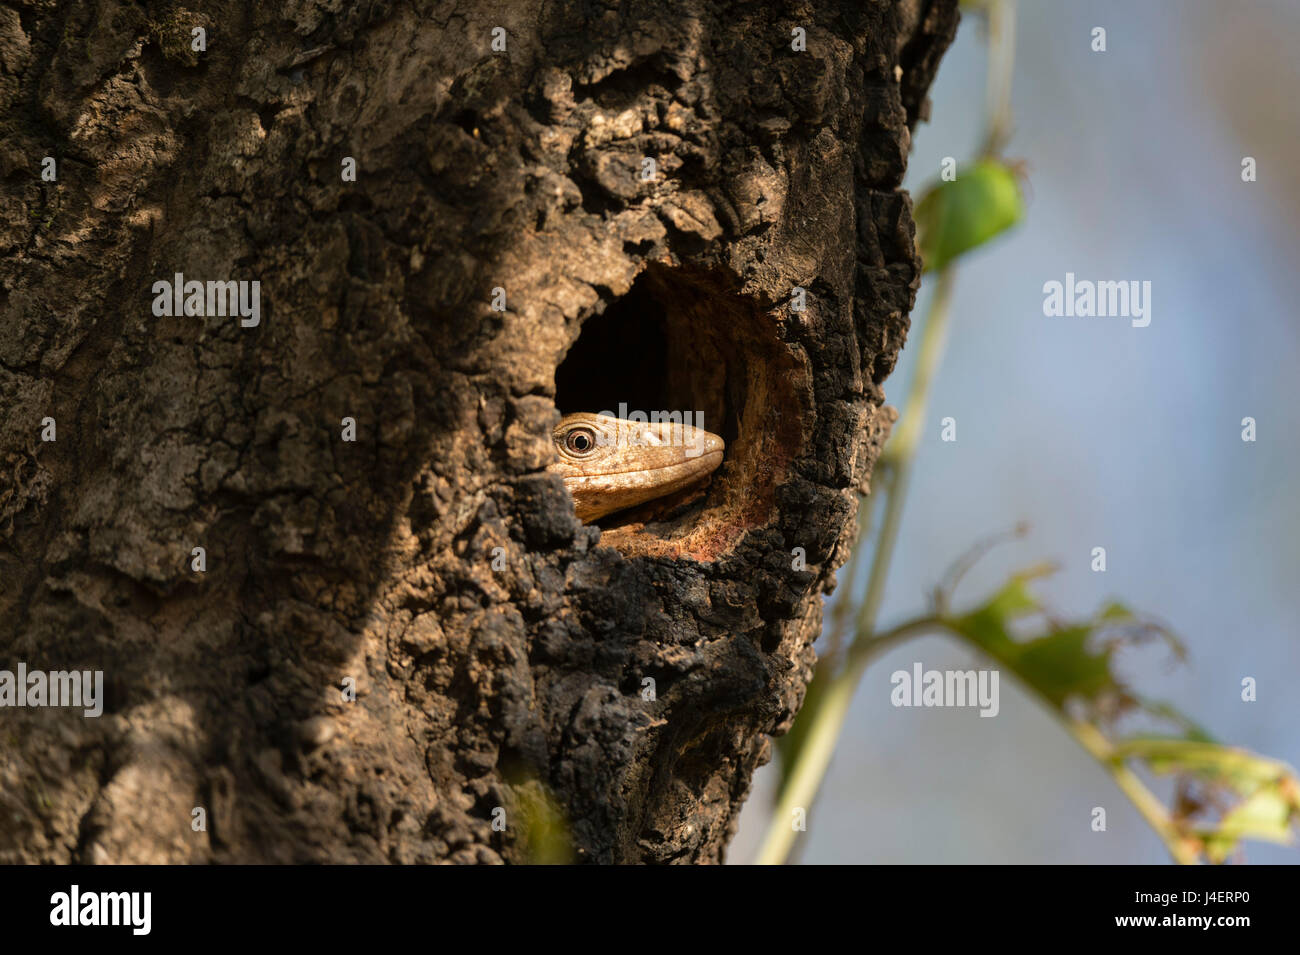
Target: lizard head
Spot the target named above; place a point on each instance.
(608, 464)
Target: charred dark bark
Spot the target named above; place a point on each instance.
(499, 649)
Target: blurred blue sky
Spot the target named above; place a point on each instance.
(1098, 433)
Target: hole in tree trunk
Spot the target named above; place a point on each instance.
(684, 340)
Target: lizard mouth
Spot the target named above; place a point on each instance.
(615, 492)
(676, 476)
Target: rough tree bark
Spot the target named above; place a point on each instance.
(498, 647)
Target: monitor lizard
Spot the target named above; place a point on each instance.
(609, 464)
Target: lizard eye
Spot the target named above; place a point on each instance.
(580, 440)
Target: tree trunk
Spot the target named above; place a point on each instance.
(404, 647)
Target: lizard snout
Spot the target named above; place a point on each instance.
(615, 464)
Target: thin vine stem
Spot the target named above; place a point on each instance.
(1148, 805)
(814, 755)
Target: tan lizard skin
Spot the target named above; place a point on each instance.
(611, 463)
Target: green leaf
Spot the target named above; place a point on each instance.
(1191, 730)
(1241, 769)
(1057, 665)
(791, 744)
(545, 836)
(1115, 612)
(1061, 665)
(1218, 847)
(1265, 815)
(954, 217)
